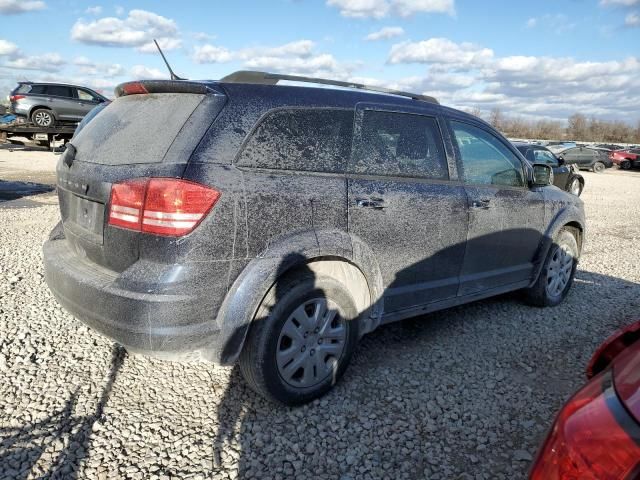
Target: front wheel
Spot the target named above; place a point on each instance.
(575, 187)
(301, 340)
(625, 165)
(598, 167)
(557, 273)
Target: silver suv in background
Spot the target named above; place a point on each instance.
(45, 104)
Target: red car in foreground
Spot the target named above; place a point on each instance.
(596, 435)
(626, 159)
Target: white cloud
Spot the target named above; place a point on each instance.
(105, 70)
(469, 76)
(407, 8)
(7, 48)
(97, 10)
(203, 36)
(439, 50)
(296, 57)
(138, 29)
(361, 8)
(211, 54)
(47, 62)
(557, 23)
(140, 72)
(299, 48)
(11, 7)
(382, 8)
(385, 33)
(624, 3)
(632, 19)
(166, 44)
(316, 65)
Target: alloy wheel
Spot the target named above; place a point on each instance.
(42, 119)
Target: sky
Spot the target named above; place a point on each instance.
(536, 59)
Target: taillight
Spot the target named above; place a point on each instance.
(133, 88)
(15, 98)
(162, 206)
(588, 441)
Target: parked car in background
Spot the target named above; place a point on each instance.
(626, 159)
(609, 146)
(586, 158)
(564, 176)
(596, 435)
(274, 225)
(45, 104)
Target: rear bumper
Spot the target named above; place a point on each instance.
(172, 326)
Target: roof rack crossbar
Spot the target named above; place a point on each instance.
(266, 78)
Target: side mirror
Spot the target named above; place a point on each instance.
(560, 159)
(542, 175)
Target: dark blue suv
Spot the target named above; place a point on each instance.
(274, 225)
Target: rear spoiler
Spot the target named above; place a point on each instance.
(164, 86)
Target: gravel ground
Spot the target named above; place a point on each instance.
(467, 393)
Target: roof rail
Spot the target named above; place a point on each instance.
(266, 78)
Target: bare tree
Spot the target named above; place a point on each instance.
(496, 118)
(577, 127)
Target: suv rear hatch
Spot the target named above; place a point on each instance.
(150, 130)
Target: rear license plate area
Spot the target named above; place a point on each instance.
(86, 218)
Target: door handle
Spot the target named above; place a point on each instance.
(375, 203)
(481, 204)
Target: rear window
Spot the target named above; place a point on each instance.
(316, 140)
(27, 88)
(135, 129)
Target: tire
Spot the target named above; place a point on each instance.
(271, 362)
(575, 187)
(625, 165)
(546, 292)
(598, 167)
(43, 118)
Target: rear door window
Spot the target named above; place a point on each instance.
(35, 89)
(400, 144)
(316, 140)
(59, 91)
(485, 159)
(135, 129)
(545, 156)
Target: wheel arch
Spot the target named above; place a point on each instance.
(351, 263)
(42, 107)
(569, 218)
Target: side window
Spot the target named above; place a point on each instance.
(84, 95)
(59, 91)
(316, 140)
(485, 159)
(544, 156)
(37, 89)
(400, 144)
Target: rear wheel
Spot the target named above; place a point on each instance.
(557, 273)
(43, 118)
(625, 165)
(598, 167)
(301, 340)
